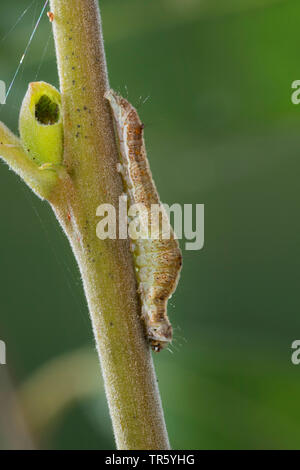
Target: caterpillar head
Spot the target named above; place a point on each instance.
(159, 335)
(157, 346)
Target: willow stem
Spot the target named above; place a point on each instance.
(106, 266)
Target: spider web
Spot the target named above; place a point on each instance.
(39, 36)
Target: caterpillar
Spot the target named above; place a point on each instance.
(157, 260)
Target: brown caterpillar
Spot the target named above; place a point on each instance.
(158, 260)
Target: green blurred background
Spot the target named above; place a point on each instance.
(220, 130)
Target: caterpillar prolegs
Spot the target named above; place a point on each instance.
(157, 259)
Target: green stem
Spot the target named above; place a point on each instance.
(91, 156)
(42, 182)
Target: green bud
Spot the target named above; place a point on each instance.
(40, 124)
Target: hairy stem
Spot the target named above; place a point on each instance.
(42, 182)
(90, 157)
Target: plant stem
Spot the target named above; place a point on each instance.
(42, 182)
(106, 266)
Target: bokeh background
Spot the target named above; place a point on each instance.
(221, 130)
